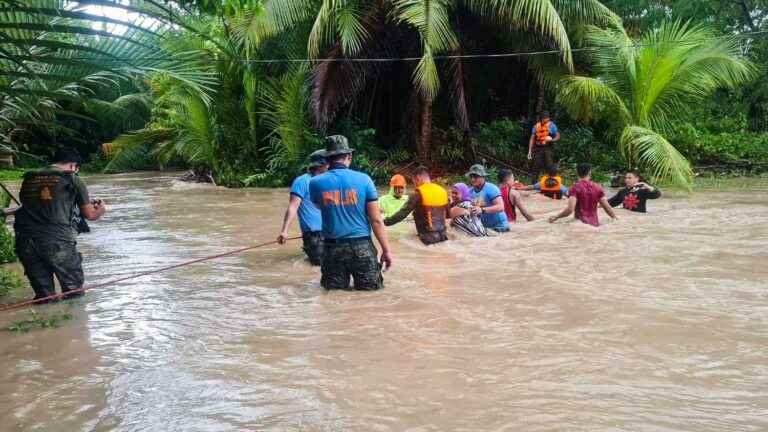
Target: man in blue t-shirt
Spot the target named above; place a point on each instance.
(310, 221)
(348, 202)
(540, 147)
(487, 200)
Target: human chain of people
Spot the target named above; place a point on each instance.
(336, 229)
(338, 208)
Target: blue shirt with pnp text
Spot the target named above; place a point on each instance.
(309, 215)
(341, 194)
(486, 195)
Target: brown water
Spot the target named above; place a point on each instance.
(656, 322)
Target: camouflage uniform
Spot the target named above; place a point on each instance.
(43, 259)
(313, 246)
(357, 259)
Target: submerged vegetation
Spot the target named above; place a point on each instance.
(39, 321)
(241, 91)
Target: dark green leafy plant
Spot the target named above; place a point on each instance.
(39, 321)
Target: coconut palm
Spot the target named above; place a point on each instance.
(646, 86)
(425, 29)
(58, 60)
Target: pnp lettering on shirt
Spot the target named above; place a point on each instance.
(341, 195)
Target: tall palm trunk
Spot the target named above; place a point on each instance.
(426, 129)
(539, 98)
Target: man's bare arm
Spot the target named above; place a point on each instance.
(566, 211)
(290, 215)
(530, 146)
(607, 207)
(514, 197)
(10, 210)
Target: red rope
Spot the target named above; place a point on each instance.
(22, 304)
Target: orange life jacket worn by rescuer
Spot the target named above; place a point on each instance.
(542, 131)
(551, 186)
(430, 216)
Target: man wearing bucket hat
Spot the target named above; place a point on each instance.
(488, 201)
(396, 198)
(310, 220)
(348, 203)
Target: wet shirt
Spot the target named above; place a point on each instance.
(430, 221)
(391, 205)
(588, 194)
(509, 208)
(48, 199)
(309, 215)
(468, 223)
(633, 199)
(485, 196)
(341, 194)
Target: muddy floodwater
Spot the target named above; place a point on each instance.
(657, 322)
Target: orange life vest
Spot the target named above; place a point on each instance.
(550, 184)
(542, 131)
(431, 216)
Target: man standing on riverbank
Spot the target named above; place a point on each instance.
(310, 220)
(540, 145)
(348, 202)
(45, 236)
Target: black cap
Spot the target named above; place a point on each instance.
(504, 174)
(67, 155)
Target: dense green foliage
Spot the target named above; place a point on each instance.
(10, 283)
(195, 83)
(647, 86)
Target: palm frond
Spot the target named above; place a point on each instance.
(540, 16)
(432, 21)
(583, 97)
(586, 12)
(653, 152)
(129, 148)
(285, 103)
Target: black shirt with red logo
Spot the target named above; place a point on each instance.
(633, 199)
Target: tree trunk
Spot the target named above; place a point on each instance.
(426, 130)
(467, 137)
(539, 98)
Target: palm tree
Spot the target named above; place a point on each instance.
(646, 86)
(253, 117)
(55, 64)
(428, 29)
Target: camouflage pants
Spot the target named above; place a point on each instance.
(313, 246)
(42, 259)
(358, 259)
